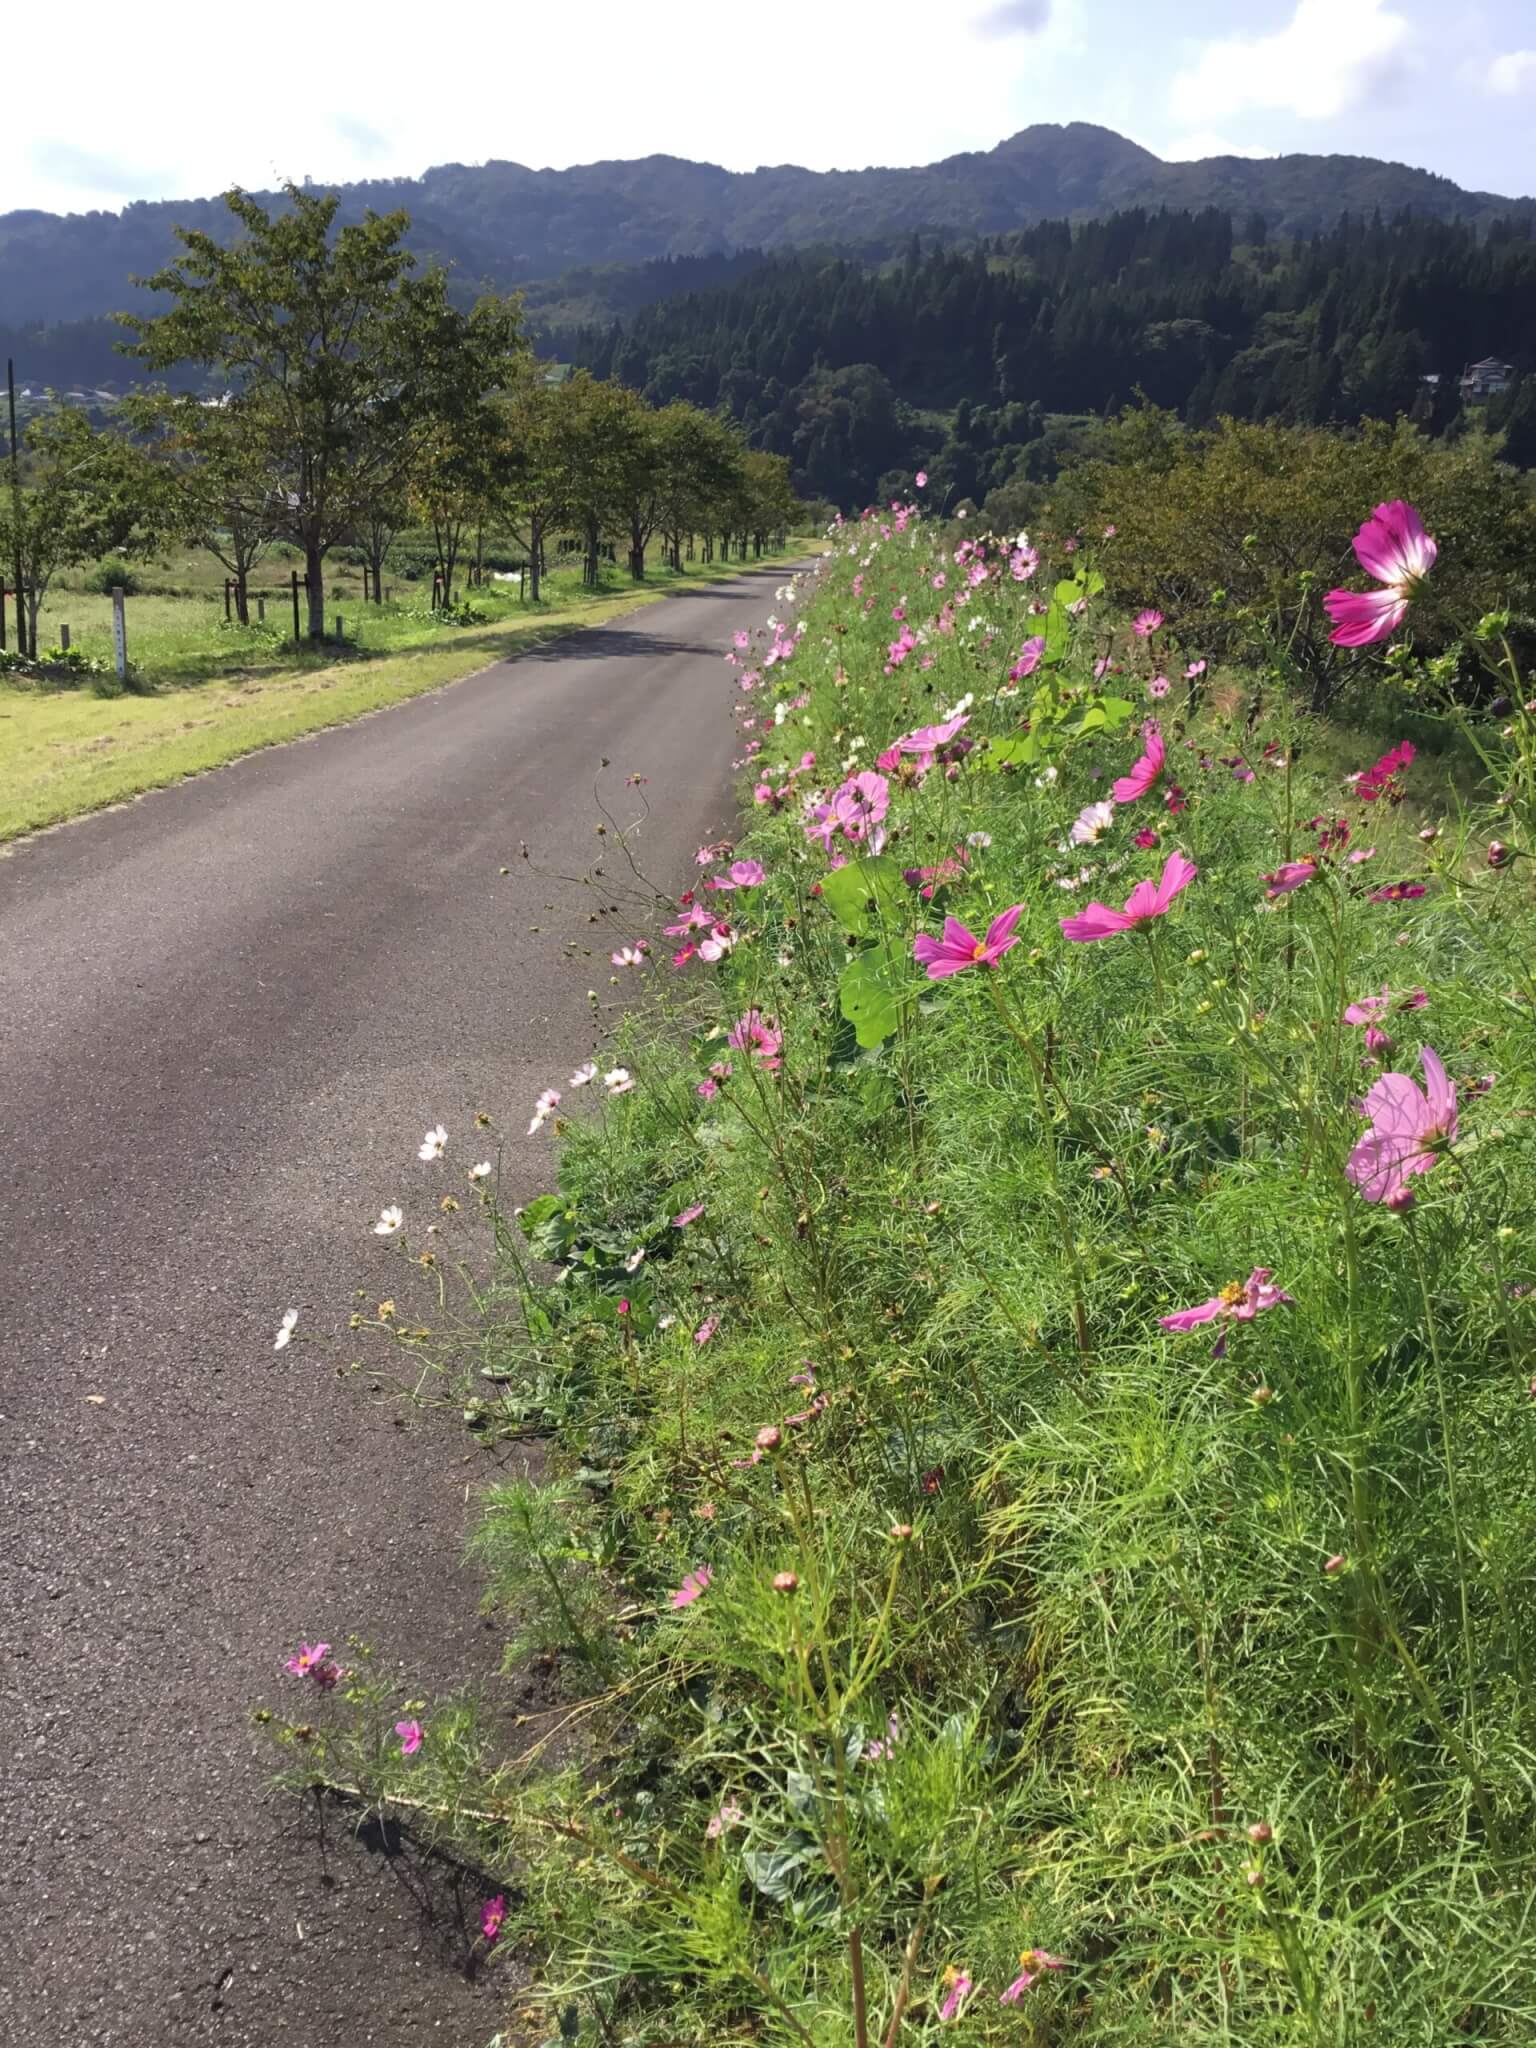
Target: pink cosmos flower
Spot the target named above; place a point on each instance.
(307, 1659)
(630, 956)
(730, 1815)
(1146, 771)
(960, 1989)
(1409, 1130)
(1393, 547)
(1145, 902)
(1380, 778)
(1291, 875)
(1030, 655)
(760, 1036)
(1238, 1302)
(1396, 892)
(684, 1217)
(492, 1913)
(1159, 686)
(1031, 1963)
(921, 479)
(928, 739)
(960, 948)
(410, 1733)
(693, 1585)
(743, 639)
(1146, 623)
(741, 874)
(1146, 839)
(1194, 672)
(706, 1329)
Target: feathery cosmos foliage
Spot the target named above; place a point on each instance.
(936, 1590)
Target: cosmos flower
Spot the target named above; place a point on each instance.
(1393, 547)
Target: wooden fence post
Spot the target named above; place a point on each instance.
(296, 634)
(261, 611)
(64, 638)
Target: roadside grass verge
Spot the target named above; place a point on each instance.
(1045, 1454)
(67, 751)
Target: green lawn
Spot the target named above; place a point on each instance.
(219, 692)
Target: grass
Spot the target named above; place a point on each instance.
(964, 1652)
(216, 692)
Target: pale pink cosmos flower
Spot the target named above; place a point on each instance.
(1410, 1129)
(684, 1217)
(586, 1072)
(630, 956)
(706, 1329)
(1393, 547)
(694, 1583)
(960, 1989)
(730, 1815)
(1194, 672)
(960, 948)
(927, 739)
(410, 1733)
(544, 1109)
(921, 479)
(1159, 686)
(1145, 902)
(1146, 623)
(743, 639)
(1129, 787)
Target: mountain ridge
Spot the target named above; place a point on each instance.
(501, 224)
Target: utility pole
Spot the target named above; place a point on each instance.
(21, 609)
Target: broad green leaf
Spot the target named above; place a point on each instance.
(873, 992)
(1022, 752)
(864, 893)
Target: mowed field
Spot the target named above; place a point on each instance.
(212, 690)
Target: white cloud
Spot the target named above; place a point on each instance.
(1329, 56)
(1512, 72)
(1200, 142)
(1015, 17)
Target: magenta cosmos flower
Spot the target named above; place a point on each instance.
(1146, 901)
(1289, 876)
(1031, 1963)
(1410, 1128)
(693, 1585)
(960, 948)
(1146, 771)
(1146, 623)
(1393, 547)
(492, 1913)
(410, 1733)
(960, 1989)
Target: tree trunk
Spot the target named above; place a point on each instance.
(636, 555)
(242, 597)
(314, 582)
(591, 568)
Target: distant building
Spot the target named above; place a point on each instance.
(1487, 378)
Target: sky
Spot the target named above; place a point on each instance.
(206, 100)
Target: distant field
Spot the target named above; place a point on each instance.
(220, 691)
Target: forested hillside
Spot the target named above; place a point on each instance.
(841, 365)
(500, 224)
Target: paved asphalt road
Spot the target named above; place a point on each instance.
(227, 1014)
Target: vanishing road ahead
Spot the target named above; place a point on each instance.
(227, 1014)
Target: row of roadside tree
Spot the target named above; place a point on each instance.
(346, 397)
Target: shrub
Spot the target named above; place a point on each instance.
(112, 574)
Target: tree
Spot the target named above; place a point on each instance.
(340, 361)
(529, 476)
(698, 468)
(600, 446)
(84, 492)
(219, 494)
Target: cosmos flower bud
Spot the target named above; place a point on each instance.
(1499, 855)
(900, 1531)
(1334, 1564)
(785, 1582)
(769, 1438)
(1262, 1396)
(1261, 1832)
(1501, 707)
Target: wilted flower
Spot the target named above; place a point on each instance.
(492, 1913)
(586, 1072)
(960, 1989)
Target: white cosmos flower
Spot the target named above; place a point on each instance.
(285, 1329)
(586, 1072)
(635, 1260)
(618, 1080)
(980, 840)
(390, 1220)
(1092, 822)
(482, 1171)
(628, 956)
(434, 1144)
